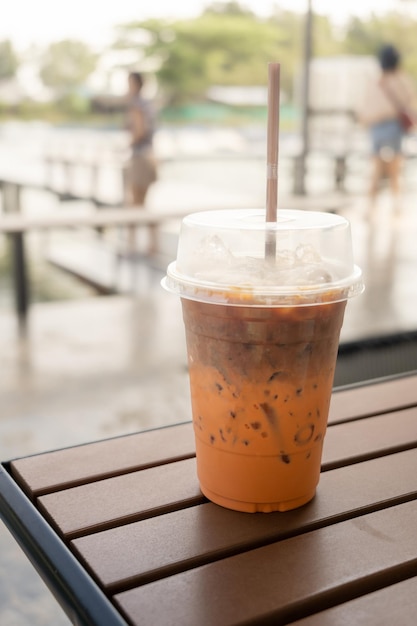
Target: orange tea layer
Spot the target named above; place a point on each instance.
(261, 378)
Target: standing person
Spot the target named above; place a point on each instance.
(141, 170)
(391, 93)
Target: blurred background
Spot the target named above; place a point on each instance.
(100, 351)
(63, 80)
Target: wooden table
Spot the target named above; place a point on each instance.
(121, 533)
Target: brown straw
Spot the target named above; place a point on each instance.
(272, 154)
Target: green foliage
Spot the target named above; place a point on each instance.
(66, 65)
(325, 40)
(227, 8)
(367, 36)
(218, 48)
(227, 45)
(74, 103)
(9, 61)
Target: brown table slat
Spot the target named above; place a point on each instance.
(146, 550)
(286, 580)
(121, 499)
(380, 397)
(48, 472)
(396, 605)
(350, 441)
(98, 505)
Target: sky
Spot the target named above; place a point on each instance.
(41, 22)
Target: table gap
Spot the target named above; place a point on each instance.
(331, 465)
(346, 420)
(340, 595)
(99, 527)
(198, 561)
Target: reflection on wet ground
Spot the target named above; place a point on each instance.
(97, 367)
(90, 369)
(386, 251)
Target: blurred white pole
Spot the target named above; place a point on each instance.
(300, 163)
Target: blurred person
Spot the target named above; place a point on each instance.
(387, 98)
(141, 169)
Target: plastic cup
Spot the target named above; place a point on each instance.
(262, 339)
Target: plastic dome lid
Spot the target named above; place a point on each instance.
(221, 258)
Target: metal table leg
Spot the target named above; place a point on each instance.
(21, 286)
(11, 204)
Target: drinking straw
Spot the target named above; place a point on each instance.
(272, 155)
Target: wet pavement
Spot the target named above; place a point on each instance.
(104, 366)
(86, 370)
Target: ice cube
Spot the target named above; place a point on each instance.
(214, 249)
(303, 266)
(307, 275)
(307, 255)
(285, 259)
(318, 276)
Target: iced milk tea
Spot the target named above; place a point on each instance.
(261, 381)
(262, 335)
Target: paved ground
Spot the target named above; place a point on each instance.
(98, 367)
(88, 369)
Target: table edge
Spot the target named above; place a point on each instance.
(77, 593)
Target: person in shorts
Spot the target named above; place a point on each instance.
(391, 92)
(141, 169)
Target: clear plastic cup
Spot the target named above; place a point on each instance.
(262, 337)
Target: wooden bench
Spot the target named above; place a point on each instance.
(17, 225)
(12, 186)
(122, 535)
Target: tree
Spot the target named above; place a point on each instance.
(325, 42)
(367, 36)
(8, 60)
(229, 45)
(66, 65)
(227, 8)
(221, 47)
